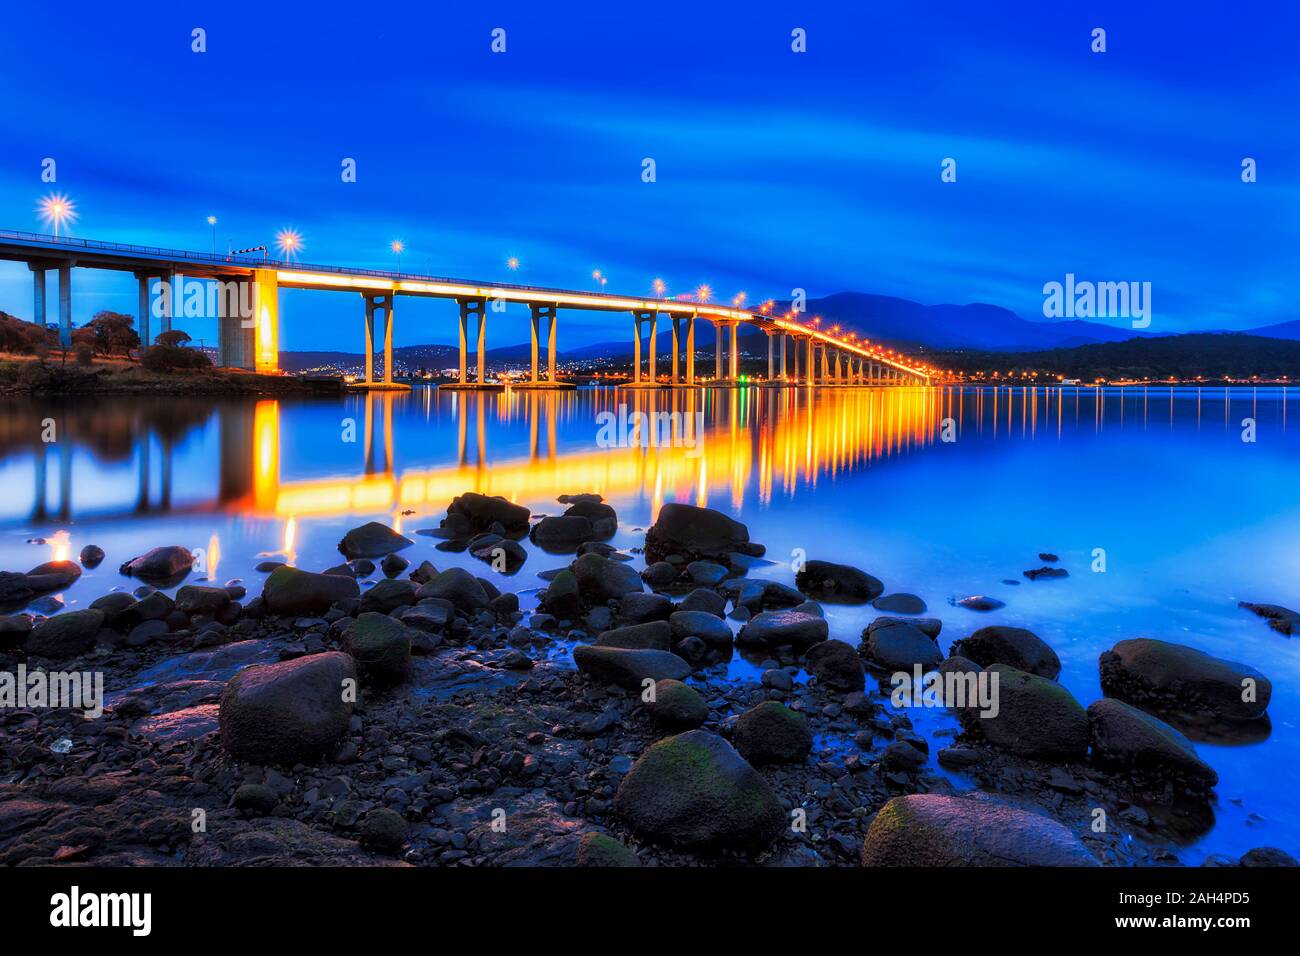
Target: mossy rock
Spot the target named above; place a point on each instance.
(598, 849)
(677, 706)
(772, 733)
(381, 647)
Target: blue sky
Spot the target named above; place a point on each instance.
(775, 170)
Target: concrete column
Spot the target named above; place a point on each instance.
(476, 308)
(370, 342)
(388, 338)
(65, 305)
(677, 347)
(38, 289)
(461, 325)
(690, 350)
(636, 348)
(718, 332)
(171, 300)
(784, 337)
(550, 343)
(481, 355)
(143, 281)
(733, 360)
(771, 358)
(532, 328)
(809, 373)
(650, 358)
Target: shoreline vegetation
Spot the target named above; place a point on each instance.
(464, 738)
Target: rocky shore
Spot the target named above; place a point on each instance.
(388, 712)
(27, 376)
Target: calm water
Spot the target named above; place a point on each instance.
(1190, 517)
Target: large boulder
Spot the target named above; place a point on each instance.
(628, 668)
(652, 635)
(291, 712)
(695, 533)
(197, 599)
(388, 595)
(837, 583)
(478, 512)
(695, 791)
(64, 635)
(381, 646)
(372, 540)
(290, 590)
(459, 587)
(899, 646)
(772, 733)
(779, 628)
(560, 534)
(54, 575)
(1035, 717)
(1016, 646)
(930, 829)
(601, 580)
(562, 597)
(836, 665)
(161, 566)
(1144, 747)
(709, 628)
(1183, 684)
(638, 607)
(677, 706)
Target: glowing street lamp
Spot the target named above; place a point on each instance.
(739, 300)
(289, 242)
(397, 246)
(212, 221)
(597, 277)
(513, 263)
(703, 293)
(56, 209)
(660, 287)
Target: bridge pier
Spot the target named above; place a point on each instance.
(38, 293)
(718, 332)
(65, 304)
(236, 335)
(640, 318)
(473, 308)
(543, 313)
(733, 357)
(690, 350)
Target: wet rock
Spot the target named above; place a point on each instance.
(1022, 649)
(1036, 717)
(477, 513)
(936, 830)
(837, 583)
(388, 595)
(459, 587)
(702, 599)
(652, 635)
(111, 605)
(255, 800)
(695, 791)
(597, 849)
(92, 555)
(163, 567)
(697, 533)
(292, 591)
(603, 517)
(1144, 747)
(196, 599)
(706, 574)
(14, 628)
(372, 540)
(561, 534)
(600, 579)
(900, 756)
(64, 635)
(1035, 573)
(660, 574)
(266, 567)
(836, 665)
(286, 713)
(54, 575)
(899, 646)
(900, 603)
(677, 706)
(425, 573)
(381, 647)
(959, 758)
(629, 669)
(709, 628)
(929, 626)
(383, 830)
(394, 564)
(772, 733)
(779, 628)
(778, 679)
(1181, 683)
(1048, 556)
(562, 597)
(979, 602)
(1268, 856)
(637, 608)
(1281, 619)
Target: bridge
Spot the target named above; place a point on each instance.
(248, 316)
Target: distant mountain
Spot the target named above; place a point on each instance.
(978, 325)
(1211, 355)
(1283, 330)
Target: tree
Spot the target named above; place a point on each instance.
(113, 333)
(176, 338)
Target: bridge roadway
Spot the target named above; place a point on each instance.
(245, 300)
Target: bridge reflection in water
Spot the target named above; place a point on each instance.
(785, 438)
